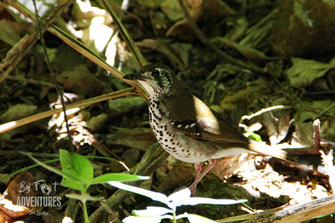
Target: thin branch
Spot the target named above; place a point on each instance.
(126, 37)
(59, 90)
(19, 50)
(80, 47)
(14, 124)
(289, 214)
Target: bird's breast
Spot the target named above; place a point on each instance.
(178, 145)
(182, 146)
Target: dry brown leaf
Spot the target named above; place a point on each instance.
(17, 188)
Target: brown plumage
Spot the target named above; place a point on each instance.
(185, 126)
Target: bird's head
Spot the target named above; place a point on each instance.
(157, 79)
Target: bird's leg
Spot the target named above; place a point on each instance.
(199, 176)
(198, 167)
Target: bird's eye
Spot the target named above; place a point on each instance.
(155, 73)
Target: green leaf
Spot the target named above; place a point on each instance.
(52, 169)
(204, 200)
(179, 198)
(121, 177)
(77, 165)
(183, 197)
(193, 218)
(152, 211)
(156, 196)
(72, 176)
(12, 174)
(303, 72)
(140, 219)
(253, 136)
(69, 180)
(18, 111)
(83, 197)
(73, 184)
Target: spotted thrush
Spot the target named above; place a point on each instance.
(186, 127)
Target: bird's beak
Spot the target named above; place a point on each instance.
(134, 77)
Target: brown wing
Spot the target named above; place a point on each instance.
(198, 121)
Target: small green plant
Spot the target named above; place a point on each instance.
(78, 174)
(156, 214)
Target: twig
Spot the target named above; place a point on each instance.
(276, 107)
(126, 37)
(317, 135)
(290, 214)
(15, 55)
(17, 52)
(80, 47)
(17, 153)
(14, 124)
(59, 90)
(31, 81)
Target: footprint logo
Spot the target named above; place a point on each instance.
(46, 189)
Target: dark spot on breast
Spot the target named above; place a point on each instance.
(155, 116)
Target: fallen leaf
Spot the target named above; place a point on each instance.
(303, 72)
(18, 111)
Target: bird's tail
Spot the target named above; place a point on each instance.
(263, 148)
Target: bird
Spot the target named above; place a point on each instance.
(187, 128)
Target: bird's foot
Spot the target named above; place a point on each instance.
(199, 175)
